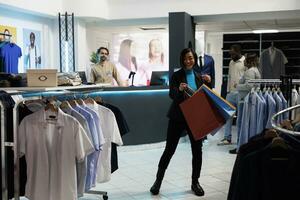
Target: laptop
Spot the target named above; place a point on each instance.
(159, 78)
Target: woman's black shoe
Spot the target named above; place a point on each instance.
(155, 187)
(197, 189)
(159, 177)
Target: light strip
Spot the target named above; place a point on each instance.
(265, 31)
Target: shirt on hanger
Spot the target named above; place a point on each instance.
(271, 106)
(279, 106)
(10, 54)
(92, 159)
(81, 167)
(272, 65)
(111, 134)
(51, 151)
(92, 179)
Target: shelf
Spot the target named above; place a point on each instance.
(241, 41)
(293, 57)
(294, 66)
(296, 40)
(243, 50)
(48, 89)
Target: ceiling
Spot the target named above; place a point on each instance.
(249, 25)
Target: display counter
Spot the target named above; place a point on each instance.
(145, 108)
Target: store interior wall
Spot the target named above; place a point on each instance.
(49, 35)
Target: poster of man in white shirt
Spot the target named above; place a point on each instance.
(32, 44)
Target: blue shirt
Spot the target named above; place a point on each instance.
(245, 122)
(279, 106)
(284, 106)
(10, 54)
(190, 78)
(271, 104)
(92, 159)
(92, 179)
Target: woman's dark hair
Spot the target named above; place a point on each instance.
(98, 50)
(251, 60)
(184, 52)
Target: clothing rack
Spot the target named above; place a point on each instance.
(34, 94)
(275, 126)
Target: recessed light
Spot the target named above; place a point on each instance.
(265, 31)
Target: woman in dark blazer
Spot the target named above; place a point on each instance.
(180, 81)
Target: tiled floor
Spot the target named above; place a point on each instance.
(138, 165)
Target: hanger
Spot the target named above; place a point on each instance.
(65, 105)
(73, 103)
(80, 101)
(98, 99)
(271, 133)
(50, 106)
(287, 124)
(89, 101)
(279, 142)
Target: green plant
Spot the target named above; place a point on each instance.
(94, 57)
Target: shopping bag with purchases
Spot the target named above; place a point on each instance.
(226, 109)
(201, 115)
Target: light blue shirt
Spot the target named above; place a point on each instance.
(271, 109)
(190, 78)
(279, 105)
(261, 106)
(92, 159)
(245, 122)
(92, 179)
(284, 106)
(81, 168)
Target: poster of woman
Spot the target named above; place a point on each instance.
(32, 49)
(140, 54)
(9, 30)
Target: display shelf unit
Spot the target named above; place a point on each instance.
(288, 42)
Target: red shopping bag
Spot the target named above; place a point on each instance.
(201, 115)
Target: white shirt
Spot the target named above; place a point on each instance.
(236, 72)
(33, 55)
(111, 134)
(51, 149)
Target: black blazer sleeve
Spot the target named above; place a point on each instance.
(174, 92)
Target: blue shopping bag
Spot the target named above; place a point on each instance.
(226, 109)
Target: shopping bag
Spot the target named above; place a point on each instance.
(201, 115)
(226, 109)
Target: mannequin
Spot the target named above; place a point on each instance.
(206, 64)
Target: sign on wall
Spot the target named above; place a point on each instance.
(32, 49)
(9, 30)
(142, 53)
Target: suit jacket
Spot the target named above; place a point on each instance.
(178, 77)
(208, 68)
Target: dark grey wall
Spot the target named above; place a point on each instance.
(181, 34)
(145, 112)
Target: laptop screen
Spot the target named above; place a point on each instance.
(160, 78)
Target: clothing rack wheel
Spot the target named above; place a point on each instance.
(103, 193)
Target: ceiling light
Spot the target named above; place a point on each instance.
(265, 31)
(152, 28)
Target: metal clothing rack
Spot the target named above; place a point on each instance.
(275, 126)
(75, 92)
